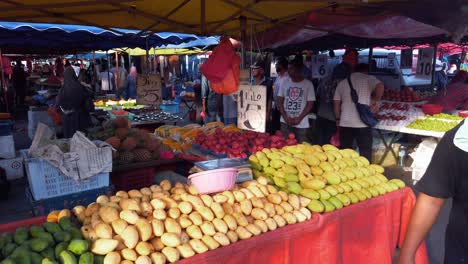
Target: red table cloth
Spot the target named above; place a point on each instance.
(364, 233)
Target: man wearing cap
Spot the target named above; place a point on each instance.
(259, 78)
(295, 100)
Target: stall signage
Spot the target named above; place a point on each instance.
(391, 60)
(406, 59)
(319, 66)
(251, 107)
(464, 65)
(149, 89)
(424, 66)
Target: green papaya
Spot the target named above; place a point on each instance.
(78, 246)
(36, 258)
(20, 250)
(59, 248)
(48, 261)
(2, 242)
(20, 235)
(65, 223)
(8, 238)
(22, 259)
(66, 257)
(52, 227)
(75, 233)
(61, 236)
(48, 237)
(8, 249)
(48, 253)
(39, 244)
(98, 259)
(7, 261)
(34, 231)
(86, 258)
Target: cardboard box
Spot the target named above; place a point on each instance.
(7, 147)
(13, 168)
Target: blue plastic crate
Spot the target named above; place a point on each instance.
(45, 206)
(170, 108)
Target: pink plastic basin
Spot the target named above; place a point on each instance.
(214, 180)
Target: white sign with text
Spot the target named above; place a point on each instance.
(424, 66)
(251, 107)
(319, 66)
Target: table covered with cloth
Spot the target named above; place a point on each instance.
(367, 232)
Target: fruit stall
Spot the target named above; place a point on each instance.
(306, 203)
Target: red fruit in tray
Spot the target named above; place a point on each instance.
(291, 136)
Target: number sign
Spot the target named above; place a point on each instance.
(319, 66)
(424, 66)
(251, 107)
(149, 89)
(391, 60)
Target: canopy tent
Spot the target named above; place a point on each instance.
(163, 51)
(60, 38)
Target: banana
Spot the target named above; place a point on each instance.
(356, 186)
(320, 155)
(330, 157)
(339, 188)
(329, 207)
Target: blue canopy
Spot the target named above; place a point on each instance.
(56, 38)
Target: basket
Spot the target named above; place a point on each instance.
(431, 109)
(45, 206)
(12, 226)
(46, 181)
(214, 180)
(170, 108)
(133, 179)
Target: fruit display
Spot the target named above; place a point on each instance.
(238, 144)
(165, 223)
(131, 144)
(431, 124)
(52, 242)
(397, 113)
(156, 116)
(108, 104)
(330, 177)
(445, 117)
(405, 94)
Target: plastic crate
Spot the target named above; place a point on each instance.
(45, 206)
(170, 108)
(46, 181)
(12, 226)
(6, 127)
(133, 179)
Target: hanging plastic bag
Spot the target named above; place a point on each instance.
(335, 139)
(220, 61)
(231, 82)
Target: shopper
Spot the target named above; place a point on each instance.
(259, 78)
(229, 110)
(105, 75)
(369, 90)
(295, 100)
(120, 78)
(441, 78)
(326, 122)
(19, 82)
(445, 178)
(282, 71)
(209, 104)
(75, 103)
(130, 90)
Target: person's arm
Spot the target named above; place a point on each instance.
(376, 97)
(281, 109)
(204, 92)
(337, 110)
(424, 215)
(337, 97)
(304, 113)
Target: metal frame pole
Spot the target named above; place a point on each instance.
(434, 65)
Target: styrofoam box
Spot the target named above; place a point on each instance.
(7, 147)
(13, 168)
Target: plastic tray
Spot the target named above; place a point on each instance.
(12, 226)
(133, 179)
(222, 163)
(45, 206)
(170, 108)
(46, 181)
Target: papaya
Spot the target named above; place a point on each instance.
(36, 258)
(59, 248)
(86, 258)
(20, 235)
(65, 223)
(66, 257)
(61, 236)
(35, 231)
(39, 244)
(78, 246)
(52, 227)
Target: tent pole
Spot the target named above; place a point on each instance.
(108, 70)
(243, 23)
(371, 51)
(434, 65)
(117, 72)
(251, 51)
(3, 82)
(147, 56)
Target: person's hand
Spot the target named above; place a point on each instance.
(203, 114)
(289, 121)
(374, 107)
(295, 121)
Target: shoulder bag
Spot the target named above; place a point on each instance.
(365, 113)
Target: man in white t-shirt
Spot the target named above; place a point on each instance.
(369, 90)
(295, 100)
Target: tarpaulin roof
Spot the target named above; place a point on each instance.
(59, 37)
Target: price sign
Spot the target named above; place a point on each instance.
(464, 65)
(424, 66)
(273, 73)
(406, 59)
(319, 66)
(251, 107)
(391, 60)
(149, 89)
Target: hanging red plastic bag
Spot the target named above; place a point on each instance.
(220, 62)
(335, 139)
(231, 82)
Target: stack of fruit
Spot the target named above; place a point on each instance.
(47, 244)
(330, 177)
(430, 124)
(131, 145)
(237, 144)
(405, 94)
(165, 223)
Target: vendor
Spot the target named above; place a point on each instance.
(259, 78)
(131, 84)
(74, 101)
(445, 177)
(209, 103)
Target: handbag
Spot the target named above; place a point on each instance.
(365, 113)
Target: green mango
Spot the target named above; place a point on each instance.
(48, 237)
(3, 242)
(22, 259)
(65, 223)
(8, 238)
(34, 231)
(61, 236)
(20, 235)
(291, 177)
(316, 206)
(78, 246)
(48, 261)
(98, 259)
(48, 253)
(8, 249)
(52, 227)
(294, 187)
(7, 261)
(75, 233)
(66, 257)
(280, 182)
(23, 249)
(86, 258)
(336, 202)
(329, 207)
(59, 248)
(39, 244)
(36, 258)
(310, 193)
